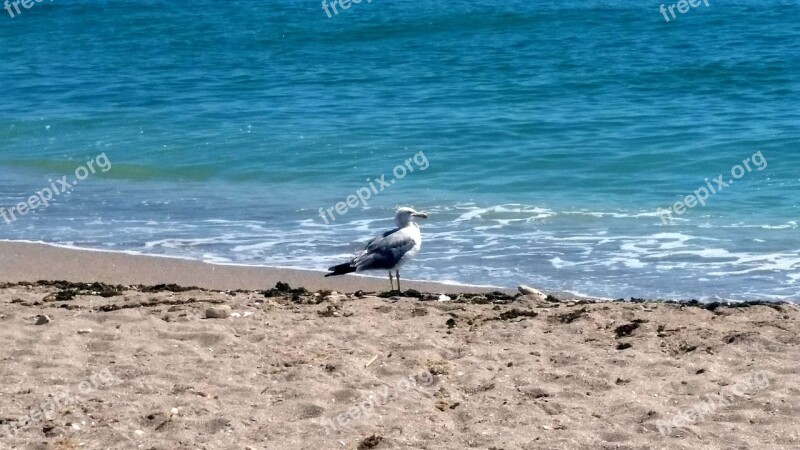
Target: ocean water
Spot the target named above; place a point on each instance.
(551, 132)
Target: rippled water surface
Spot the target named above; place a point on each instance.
(553, 131)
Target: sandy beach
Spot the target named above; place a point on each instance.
(134, 361)
(589, 208)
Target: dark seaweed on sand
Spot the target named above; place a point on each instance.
(411, 293)
(628, 329)
(284, 290)
(370, 442)
(68, 291)
(167, 288)
(514, 313)
(571, 316)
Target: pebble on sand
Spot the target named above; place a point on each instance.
(335, 297)
(531, 292)
(218, 312)
(43, 319)
(85, 331)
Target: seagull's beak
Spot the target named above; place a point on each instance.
(420, 215)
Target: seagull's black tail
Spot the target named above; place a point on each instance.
(341, 269)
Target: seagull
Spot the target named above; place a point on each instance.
(390, 250)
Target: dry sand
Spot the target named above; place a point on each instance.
(143, 367)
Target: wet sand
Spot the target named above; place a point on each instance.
(33, 262)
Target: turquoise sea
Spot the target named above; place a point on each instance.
(553, 131)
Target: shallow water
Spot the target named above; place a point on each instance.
(553, 132)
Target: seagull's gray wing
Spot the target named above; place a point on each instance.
(384, 252)
(379, 237)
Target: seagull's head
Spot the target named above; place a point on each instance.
(405, 215)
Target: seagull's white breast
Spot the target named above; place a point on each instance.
(412, 231)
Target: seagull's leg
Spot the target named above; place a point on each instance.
(390, 281)
(397, 272)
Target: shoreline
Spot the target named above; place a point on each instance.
(25, 261)
(32, 262)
